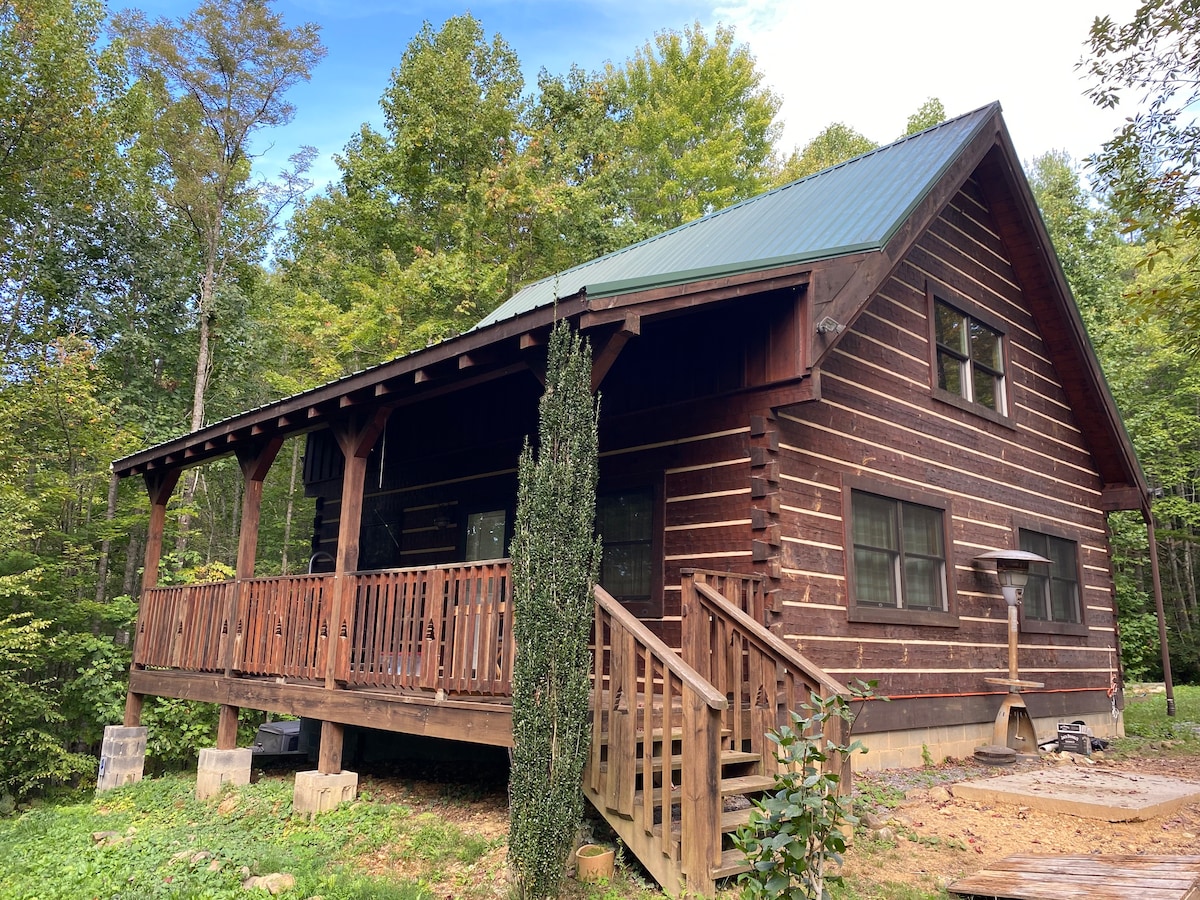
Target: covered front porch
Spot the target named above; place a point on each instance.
(419, 650)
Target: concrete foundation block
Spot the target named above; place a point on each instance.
(317, 792)
(122, 756)
(220, 767)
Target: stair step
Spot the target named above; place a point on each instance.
(732, 863)
(731, 821)
(728, 758)
(746, 784)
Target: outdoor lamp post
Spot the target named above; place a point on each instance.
(1013, 728)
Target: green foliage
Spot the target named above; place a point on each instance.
(1151, 168)
(555, 560)
(930, 113)
(796, 832)
(697, 123)
(160, 827)
(1146, 715)
(836, 143)
(31, 754)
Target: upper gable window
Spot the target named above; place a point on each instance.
(970, 358)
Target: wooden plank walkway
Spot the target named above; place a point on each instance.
(1046, 877)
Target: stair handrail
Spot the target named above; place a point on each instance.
(767, 640)
(640, 659)
(713, 698)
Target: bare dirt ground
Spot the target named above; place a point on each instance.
(934, 838)
(939, 838)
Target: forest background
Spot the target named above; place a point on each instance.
(152, 281)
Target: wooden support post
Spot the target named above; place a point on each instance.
(1158, 608)
(329, 760)
(159, 486)
(255, 461)
(699, 803)
(355, 437)
(227, 726)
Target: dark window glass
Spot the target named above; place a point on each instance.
(899, 553)
(625, 521)
(970, 358)
(1053, 596)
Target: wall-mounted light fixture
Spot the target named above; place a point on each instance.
(1013, 728)
(830, 325)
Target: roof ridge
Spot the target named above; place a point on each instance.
(749, 200)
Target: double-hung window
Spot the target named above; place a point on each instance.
(969, 358)
(1051, 598)
(898, 569)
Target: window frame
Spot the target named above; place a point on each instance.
(938, 293)
(652, 606)
(947, 617)
(1032, 625)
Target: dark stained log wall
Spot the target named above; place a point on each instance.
(879, 419)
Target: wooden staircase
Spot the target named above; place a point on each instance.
(679, 746)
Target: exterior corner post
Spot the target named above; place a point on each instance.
(159, 486)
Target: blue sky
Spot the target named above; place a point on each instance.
(867, 63)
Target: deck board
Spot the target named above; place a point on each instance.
(1047, 877)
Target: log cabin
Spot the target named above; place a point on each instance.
(819, 407)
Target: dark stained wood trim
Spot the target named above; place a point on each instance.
(462, 720)
(631, 326)
(854, 613)
(320, 402)
(874, 269)
(905, 713)
(672, 298)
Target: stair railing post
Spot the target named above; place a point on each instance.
(700, 805)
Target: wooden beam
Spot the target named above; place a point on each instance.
(329, 760)
(159, 486)
(227, 724)
(603, 361)
(472, 721)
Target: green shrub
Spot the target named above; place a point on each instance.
(796, 831)
(555, 558)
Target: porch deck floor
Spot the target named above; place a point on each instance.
(1045, 877)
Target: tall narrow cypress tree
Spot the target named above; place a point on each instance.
(555, 561)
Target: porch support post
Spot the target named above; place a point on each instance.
(255, 462)
(329, 785)
(123, 750)
(159, 486)
(1158, 608)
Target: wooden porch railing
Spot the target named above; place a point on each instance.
(762, 676)
(283, 626)
(648, 707)
(181, 627)
(441, 628)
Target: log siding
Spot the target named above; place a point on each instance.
(879, 419)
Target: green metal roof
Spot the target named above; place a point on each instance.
(852, 207)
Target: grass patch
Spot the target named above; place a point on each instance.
(1146, 715)
(164, 843)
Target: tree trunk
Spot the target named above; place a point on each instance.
(291, 505)
(203, 370)
(110, 513)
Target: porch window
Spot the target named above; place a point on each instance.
(485, 535)
(1051, 597)
(970, 358)
(898, 560)
(625, 521)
